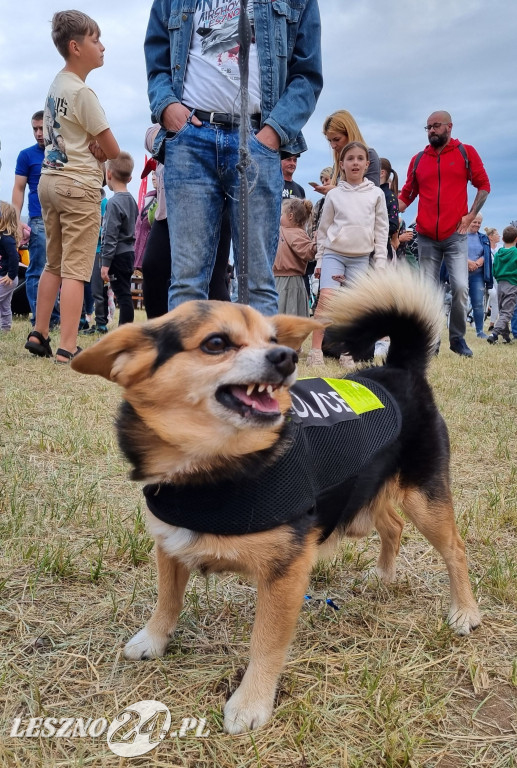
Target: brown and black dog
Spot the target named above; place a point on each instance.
(208, 419)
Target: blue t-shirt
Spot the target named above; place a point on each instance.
(29, 164)
(475, 246)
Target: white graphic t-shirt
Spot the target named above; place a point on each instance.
(71, 120)
(212, 78)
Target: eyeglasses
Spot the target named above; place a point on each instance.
(434, 125)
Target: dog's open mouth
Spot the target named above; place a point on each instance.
(251, 401)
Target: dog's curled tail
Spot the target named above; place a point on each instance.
(396, 302)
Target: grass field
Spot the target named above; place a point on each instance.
(380, 682)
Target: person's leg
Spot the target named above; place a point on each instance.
(265, 186)
(355, 267)
(50, 279)
(218, 288)
(456, 257)
(494, 306)
(6, 295)
(430, 256)
(477, 293)
(97, 284)
(120, 280)
(79, 215)
(507, 295)
(37, 258)
(194, 197)
(332, 265)
(514, 323)
(156, 270)
(72, 293)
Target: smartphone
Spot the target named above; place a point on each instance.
(314, 184)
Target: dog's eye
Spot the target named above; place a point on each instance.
(273, 340)
(216, 345)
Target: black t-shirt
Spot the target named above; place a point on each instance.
(292, 189)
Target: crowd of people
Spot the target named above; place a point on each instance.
(205, 156)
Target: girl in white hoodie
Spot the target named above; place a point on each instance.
(353, 225)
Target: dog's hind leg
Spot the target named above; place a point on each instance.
(153, 639)
(389, 525)
(434, 518)
(279, 599)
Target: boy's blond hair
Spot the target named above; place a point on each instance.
(121, 167)
(71, 25)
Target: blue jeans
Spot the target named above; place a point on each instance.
(37, 258)
(477, 294)
(454, 251)
(200, 171)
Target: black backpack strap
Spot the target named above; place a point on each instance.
(415, 166)
(466, 158)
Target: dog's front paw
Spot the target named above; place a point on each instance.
(145, 645)
(462, 620)
(246, 713)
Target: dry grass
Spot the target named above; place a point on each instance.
(381, 682)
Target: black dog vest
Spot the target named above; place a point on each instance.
(335, 428)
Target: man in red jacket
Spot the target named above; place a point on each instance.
(439, 176)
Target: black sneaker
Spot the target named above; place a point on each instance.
(492, 337)
(95, 329)
(459, 346)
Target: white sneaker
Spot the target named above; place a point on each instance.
(381, 348)
(315, 357)
(346, 361)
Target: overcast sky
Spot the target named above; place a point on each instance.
(390, 64)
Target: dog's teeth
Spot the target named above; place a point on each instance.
(261, 387)
(270, 390)
(250, 389)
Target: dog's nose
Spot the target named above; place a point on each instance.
(284, 359)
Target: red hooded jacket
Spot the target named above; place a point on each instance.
(440, 182)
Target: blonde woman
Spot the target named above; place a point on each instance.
(339, 129)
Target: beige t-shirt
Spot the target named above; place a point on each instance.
(72, 118)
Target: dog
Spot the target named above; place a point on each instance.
(213, 422)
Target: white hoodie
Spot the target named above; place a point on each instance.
(354, 222)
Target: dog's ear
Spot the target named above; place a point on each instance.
(291, 331)
(124, 355)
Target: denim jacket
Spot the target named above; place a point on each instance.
(289, 51)
(487, 256)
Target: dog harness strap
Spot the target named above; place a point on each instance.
(320, 479)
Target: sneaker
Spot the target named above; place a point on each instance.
(459, 346)
(94, 329)
(381, 348)
(315, 357)
(492, 337)
(482, 335)
(346, 361)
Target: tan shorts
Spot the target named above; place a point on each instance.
(72, 217)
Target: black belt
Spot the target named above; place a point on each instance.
(225, 119)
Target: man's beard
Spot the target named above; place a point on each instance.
(438, 141)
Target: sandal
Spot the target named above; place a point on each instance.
(42, 348)
(65, 353)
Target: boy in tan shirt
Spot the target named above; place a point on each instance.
(78, 141)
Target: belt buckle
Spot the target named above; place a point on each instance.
(211, 120)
